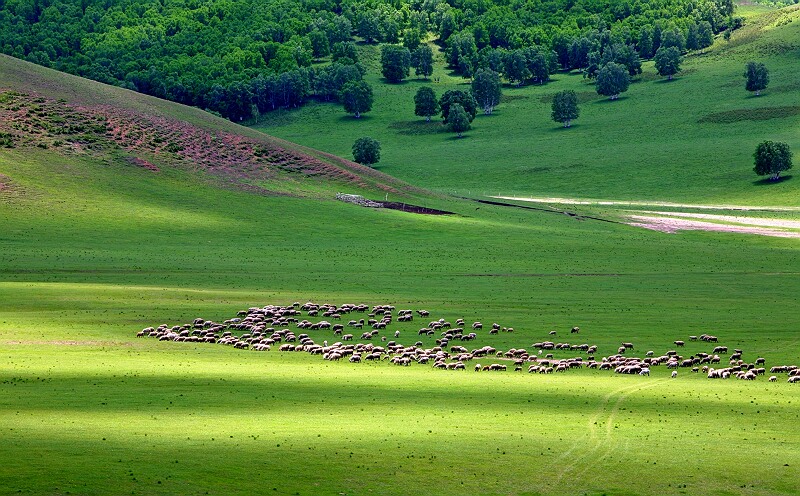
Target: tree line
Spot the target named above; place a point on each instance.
(213, 53)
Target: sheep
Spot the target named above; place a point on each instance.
(575, 330)
(679, 343)
(793, 379)
(773, 378)
(674, 374)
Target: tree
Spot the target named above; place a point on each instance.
(458, 119)
(345, 50)
(425, 103)
(772, 158)
(565, 107)
(463, 98)
(319, 44)
(612, 80)
(673, 38)
(705, 34)
(516, 67)
(357, 97)
(486, 89)
(692, 37)
(645, 45)
(422, 61)
(395, 62)
(368, 26)
(668, 61)
(366, 151)
(757, 77)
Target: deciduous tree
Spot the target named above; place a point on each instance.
(395, 62)
(612, 80)
(757, 77)
(565, 107)
(458, 119)
(772, 158)
(366, 151)
(486, 89)
(425, 103)
(668, 61)
(356, 97)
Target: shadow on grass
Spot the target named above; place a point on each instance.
(562, 129)
(347, 118)
(767, 181)
(607, 101)
(456, 137)
(666, 80)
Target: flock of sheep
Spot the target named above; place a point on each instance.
(263, 328)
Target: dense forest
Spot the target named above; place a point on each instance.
(243, 57)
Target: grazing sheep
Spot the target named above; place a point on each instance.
(679, 343)
(793, 379)
(674, 374)
(773, 378)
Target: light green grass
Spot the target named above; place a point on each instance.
(647, 145)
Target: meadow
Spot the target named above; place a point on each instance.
(93, 250)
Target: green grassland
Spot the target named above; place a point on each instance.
(690, 139)
(91, 251)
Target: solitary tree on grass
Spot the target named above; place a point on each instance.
(366, 151)
(772, 158)
(457, 119)
(356, 97)
(668, 61)
(565, 107)
(612, 80)
(422, 61)
(757, 77)
(425, 103)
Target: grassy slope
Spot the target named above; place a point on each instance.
(91, 252)
(647, 145)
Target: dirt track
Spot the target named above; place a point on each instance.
(672, 222)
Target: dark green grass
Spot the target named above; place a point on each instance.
(661, 140)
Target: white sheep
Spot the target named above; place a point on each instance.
(674, 374)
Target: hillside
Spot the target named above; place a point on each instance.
(81, 118)
(690, 139)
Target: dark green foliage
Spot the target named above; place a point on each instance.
(757, 77)
(463, 98)
(486, 89)
(458, 120)
(705, 35)
(516, 67)
(772, 158)
(356, 96)
(425, 103)
(668, 61)
(366, 151)
(344, 50)
(368, 26)
(182, 50)
(395, 62)
(612, 80)
(329, 80)
(6, 140)
(422, 61)
(565, 107)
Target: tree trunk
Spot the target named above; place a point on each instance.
(758, 92)
(358, 115)
(566, 124)
(427, 118)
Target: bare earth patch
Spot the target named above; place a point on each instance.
(673, 225)
(672, 222)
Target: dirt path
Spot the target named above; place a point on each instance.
(672, 222)
(577, 201)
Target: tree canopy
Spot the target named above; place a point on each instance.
(366, 151)
(772, 158)
(565, 107)
(425, 103)
(357, 98)
(668, 61)
(757, 77)
(486, 89)
(463, 98)
(612, 80)
(458, 119)
(395, 62)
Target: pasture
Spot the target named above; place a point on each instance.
(93, 250)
